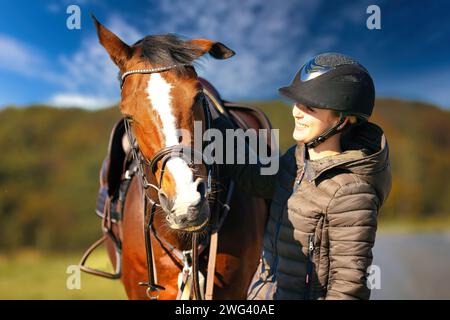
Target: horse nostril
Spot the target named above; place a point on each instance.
(201, 188)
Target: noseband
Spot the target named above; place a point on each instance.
(187, 154)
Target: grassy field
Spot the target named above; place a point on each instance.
(34, 275)
(30, 274)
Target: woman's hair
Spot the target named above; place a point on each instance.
(352, 119)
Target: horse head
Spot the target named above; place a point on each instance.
(160, 102)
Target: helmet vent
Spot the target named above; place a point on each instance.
(333, 60)
(347, 78)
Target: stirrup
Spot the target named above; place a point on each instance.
(118, 272)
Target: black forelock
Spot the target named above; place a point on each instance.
(167, 49)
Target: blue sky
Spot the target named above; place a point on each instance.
(41, 61)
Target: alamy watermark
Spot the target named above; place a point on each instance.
(236, 146)
(73, 281)
(373, 277)
(374, 20)
(73, 22)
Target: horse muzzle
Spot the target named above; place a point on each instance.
(189, 217)
(193, 219)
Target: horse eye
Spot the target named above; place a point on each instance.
(199, 96)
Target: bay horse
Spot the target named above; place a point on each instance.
(160, 93)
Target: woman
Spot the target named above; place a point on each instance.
(329, 189)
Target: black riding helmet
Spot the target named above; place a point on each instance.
(336, 82)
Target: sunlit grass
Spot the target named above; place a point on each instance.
(33, 275)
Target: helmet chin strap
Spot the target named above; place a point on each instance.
(327, 134)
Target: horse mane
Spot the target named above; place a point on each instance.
(168, 49)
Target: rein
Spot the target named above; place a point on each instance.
(163, 156)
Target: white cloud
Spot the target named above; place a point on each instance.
(19, 57)
(66, 100)
(89, 70)
(264, 34)
(125, 31)
(90, 79)
(26, 60)
(90, 76)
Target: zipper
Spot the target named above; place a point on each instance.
(309, 267)
(274, 265)
(298, 181)
(301, 176)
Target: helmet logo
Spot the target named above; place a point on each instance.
(312, 70)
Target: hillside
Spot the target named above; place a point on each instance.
(51, 157)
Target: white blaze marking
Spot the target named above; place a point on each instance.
(158, 91)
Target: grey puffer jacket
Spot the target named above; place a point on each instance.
(323, 218)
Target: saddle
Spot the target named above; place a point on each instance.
(113, 169)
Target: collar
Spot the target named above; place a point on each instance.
(359, 156)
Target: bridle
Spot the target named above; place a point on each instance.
(186, 153)
(149, 71)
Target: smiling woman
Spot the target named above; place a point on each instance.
(319, 238)
(311, 122)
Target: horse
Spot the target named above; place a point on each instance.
(161, 93)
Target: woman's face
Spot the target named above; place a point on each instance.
(311, 122)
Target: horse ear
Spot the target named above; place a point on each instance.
(118, 50)
(216, 49)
